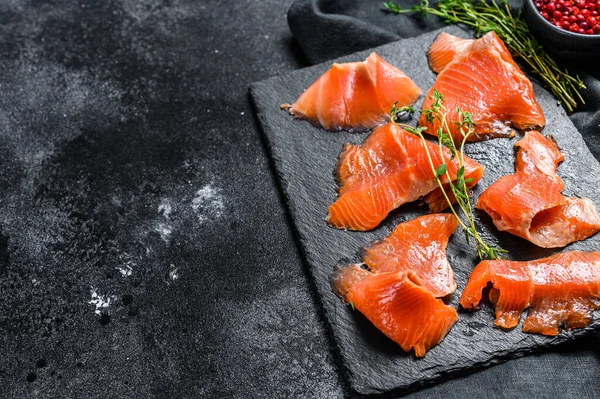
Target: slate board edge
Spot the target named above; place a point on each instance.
(353, 382)
(352, 379)
(265, 129)
(462, 372)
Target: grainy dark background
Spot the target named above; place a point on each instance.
(144, 247)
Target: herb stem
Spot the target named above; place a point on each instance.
(458, 187)
(513, 30)
(433, 168)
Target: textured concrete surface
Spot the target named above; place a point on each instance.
(144, 249)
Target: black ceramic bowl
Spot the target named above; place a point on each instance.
(564, 44)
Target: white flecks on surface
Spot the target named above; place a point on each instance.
(257, 326)
(115, 200)
(126, 270)
(165, 231)
(101, 302)
(241, 113)
(165, 208)
(173, 272)
(208, 203)
(127, 265)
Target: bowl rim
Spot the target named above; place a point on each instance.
(544, 21)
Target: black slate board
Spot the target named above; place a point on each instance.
(304, 158)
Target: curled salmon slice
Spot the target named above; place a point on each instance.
(530, 204)
(561, 290)
(482, 79)
(418, 245)
(444, 49)
(389, 169)
(356, 96)
(398, 305)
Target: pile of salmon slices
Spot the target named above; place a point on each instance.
(404, 282)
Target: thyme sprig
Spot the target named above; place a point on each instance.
(459, 187)
(513, 30)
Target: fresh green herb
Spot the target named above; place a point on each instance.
(440, 170)
(390, 5)
(458, 187)
(400, 113)
(513, 30)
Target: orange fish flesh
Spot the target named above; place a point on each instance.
(418, 245)
(529, 203)
(398, 305)
(356, 96)
(389, 169)
(444, 49)
(483, 80)
(561, 290)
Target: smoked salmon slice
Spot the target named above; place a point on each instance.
(562, 289)
(398, 305)
(355, 96)
(529, 203)
(483, 80)
(418, 245)
(444, 49)
(389, 169)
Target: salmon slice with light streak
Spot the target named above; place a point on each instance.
(483, 80)
(389, 169)
(398, 305)
(418, 245)
(444, 49)
(530, 204)
(355, 96)
(561, 290)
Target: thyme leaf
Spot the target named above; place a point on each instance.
(396, 114)
(440, 170)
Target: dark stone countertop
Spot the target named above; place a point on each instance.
(145, 250)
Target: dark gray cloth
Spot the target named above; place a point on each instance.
(326, 29)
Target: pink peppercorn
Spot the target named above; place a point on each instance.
(580, 16)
